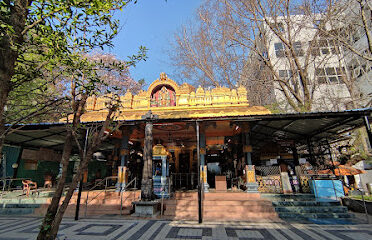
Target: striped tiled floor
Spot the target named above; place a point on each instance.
(14, 228)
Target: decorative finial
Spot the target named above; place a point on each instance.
(163, 76)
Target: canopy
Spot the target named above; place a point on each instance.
(343, 170)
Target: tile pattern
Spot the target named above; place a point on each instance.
(24, 228)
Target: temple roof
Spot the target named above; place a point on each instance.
(169, 100)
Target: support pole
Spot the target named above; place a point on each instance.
(311, 154)
(250, 174)
(81, 180)
(203, 165)
(78, 200)
(331, 157)
(199, 173)
(122, 169)
(368, 128)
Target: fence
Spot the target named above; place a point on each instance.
(269, 179)
(184, 181)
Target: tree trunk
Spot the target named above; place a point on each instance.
(7, 63)
(58, 218)
(8, 57)
(146, 183)
(46, 227)
(3, 98)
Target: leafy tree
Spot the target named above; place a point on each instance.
(45, 43)
(38, 36)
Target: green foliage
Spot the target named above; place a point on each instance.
(55, 41)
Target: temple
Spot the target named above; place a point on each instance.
(177, 142)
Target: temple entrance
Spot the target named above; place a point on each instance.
(184, 163)
(186, 178)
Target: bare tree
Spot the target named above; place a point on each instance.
(349, 25)
(266, 40)
(274, 31)
(85, 78)
(205, 54)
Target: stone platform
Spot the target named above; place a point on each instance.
(146, 208)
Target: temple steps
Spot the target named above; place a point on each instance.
(304, 203)
(18, 208)
(220, 207)
(98, 210)
(305, 207)
(104, 203)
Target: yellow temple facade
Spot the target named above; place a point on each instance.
(169, 100)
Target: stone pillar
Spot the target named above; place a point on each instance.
(122, 169)
(203, 165)
(146, 183)
(250, 175)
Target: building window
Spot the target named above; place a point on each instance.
(359, 67)
(330, 75)
(279, 49)
(298, 48)
(324, 47)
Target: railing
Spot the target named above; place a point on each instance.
(169, 181)
(7, 182)
(98, 184)
(105, 180)
(184, 180)
(361, 191)
(134, 180)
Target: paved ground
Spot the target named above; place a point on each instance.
(21, 228)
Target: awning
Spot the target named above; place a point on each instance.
(297, 127)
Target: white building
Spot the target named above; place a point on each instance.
(322, 60)
(359, 67)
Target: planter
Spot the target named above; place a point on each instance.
(357, 205)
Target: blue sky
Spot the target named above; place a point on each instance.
(151, 23)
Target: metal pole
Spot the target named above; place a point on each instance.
(310, 148)
(334, 189)
(331, 158)
(368, 128)
(78, 200)
(365, 208)
(121, 202)
(199, 179)
(86, 204)
(81, 180)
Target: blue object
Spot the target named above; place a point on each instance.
(160, 176)
(327, 190)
